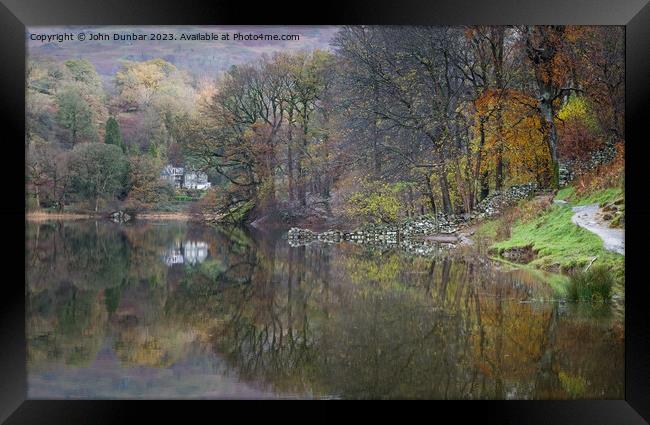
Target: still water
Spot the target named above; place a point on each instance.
(174, 310)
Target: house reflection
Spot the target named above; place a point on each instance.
(187, 252)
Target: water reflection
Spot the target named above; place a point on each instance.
(190, 252)
(248, 316)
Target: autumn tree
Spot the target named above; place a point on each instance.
(579, 131)
(158, 93)
(144, 183)
(98, 171)
(544, 45)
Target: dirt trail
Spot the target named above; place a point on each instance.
(587, 216)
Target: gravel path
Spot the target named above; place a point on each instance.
(586, 216)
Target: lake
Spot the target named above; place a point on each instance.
(179, 310)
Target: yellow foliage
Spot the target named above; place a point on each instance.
(376, 201)
(577, 108)
(513, 129)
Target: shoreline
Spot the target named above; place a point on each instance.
(45, 216)
(180, 216)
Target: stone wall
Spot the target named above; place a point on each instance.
(569, 169)
(412, 229)
(376, 237)
(497, 201)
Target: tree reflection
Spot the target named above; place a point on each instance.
(317, 320)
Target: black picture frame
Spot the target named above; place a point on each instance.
(15, 15)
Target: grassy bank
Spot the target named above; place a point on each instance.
(598, 197)
(558, 244)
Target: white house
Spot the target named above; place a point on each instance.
(180, 178)
(196, 180)
(189, 252)
(173, 175)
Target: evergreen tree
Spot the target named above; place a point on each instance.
(113, 136)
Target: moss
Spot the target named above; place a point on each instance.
(240, 213)
(617, 221)
(555, 178)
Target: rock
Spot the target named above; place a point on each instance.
(607, 217)
(297, 236)
(618, 221)
(522, 255)
(120, 217)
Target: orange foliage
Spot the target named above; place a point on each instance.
(519, 135)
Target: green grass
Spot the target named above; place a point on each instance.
(593, 285)
(606, 195)
(599, 197)
(487, 229)
(565, 193)
(560, 244)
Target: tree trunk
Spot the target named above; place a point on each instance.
(375, 137)
(432, 200)
(271, 170)
(485, 185)
(497, 57)
(303, 173)
(444, 185)
(460, 184)
(290, 172)
(375, 154)
(542, 57)
(498, 185)
(411, 207)
(444, 190)
(546, 108)
(477, 171)
(290, 162)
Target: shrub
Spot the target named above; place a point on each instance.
(375, 201)
(181, 197)
(592, 285)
